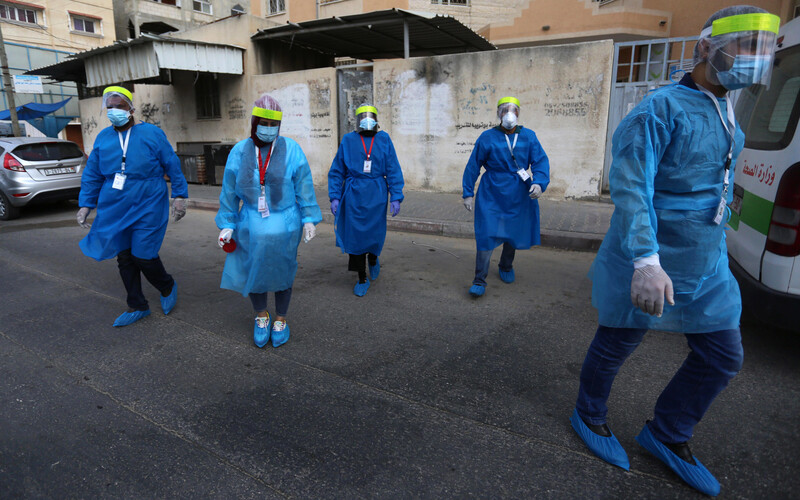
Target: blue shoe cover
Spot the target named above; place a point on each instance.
(507, 276)
(375, 270)
(697, 476)
(280, 337)
(168, 302)
(607, 448)
(477, 290)
(261, 335)
(128, 318)
(361, 289)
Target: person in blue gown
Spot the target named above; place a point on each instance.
(363, 174)
(124, 181)
(266, 205)
(506, 206)
(663, 264)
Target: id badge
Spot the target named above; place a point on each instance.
(119, 181)
(265, 212)
(262, 203)
(367, 166)
(720, 211)
(523, 174)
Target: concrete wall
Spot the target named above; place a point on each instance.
(436, 107)
(308, 99)
(309, 102)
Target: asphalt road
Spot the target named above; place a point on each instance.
(414, 391)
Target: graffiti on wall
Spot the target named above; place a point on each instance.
(148, 112)
(236, 109)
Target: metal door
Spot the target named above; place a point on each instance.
(640, 67)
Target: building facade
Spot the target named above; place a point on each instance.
(135, 17)
(519, 23)
(45, 32)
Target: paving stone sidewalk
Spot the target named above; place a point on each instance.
(576, 225)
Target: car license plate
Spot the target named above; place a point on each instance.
(736, 204)
(58, 171)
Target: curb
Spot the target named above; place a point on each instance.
(587, 242)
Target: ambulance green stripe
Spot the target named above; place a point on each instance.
(756, 212)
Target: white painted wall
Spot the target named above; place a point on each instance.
(436, 107)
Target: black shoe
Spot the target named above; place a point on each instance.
(682, 450)
(600, 430)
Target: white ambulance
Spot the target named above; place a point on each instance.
(764, 235)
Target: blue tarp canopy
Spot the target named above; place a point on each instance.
(34, 110)
(39, 115)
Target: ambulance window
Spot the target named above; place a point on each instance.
(769, 116)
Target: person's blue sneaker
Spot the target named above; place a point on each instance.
(375, 270)
(168, 302)
(361, 288)
(507, 276)
(128, 318)
(280, 333)
(696, 475)
(261, 331)
(477, 290)
(607, 448)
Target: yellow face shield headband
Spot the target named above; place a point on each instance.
(269, 114)
(119, 90)
(746, 22)
(512, 100)
(367, 109)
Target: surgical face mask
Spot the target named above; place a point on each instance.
(509, 120)
(118, 117)
(368, 124)
(267, 134)
(746, 71)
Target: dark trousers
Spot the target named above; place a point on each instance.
(282, 299)
(715, 358)
(483, 258)
(131, 269)
(358, 263)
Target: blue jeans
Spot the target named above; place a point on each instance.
(483, 258)
(282, 298)
(715, 358)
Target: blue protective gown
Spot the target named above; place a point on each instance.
(504, 211)
(265, 259)
(136, 217)
(666, 182)
(361, 219)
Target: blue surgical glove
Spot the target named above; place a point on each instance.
(334, 206)
(394, 208)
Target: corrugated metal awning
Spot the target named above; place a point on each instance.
(143, 59)
(384, 34)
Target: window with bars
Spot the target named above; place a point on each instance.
(85, 25)
(202, 6)
(20, 14)
(206, 92)
(276, 7)
(462, 3)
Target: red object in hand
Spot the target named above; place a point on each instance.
(229, 246)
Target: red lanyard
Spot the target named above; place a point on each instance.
(369, 153)
(262, 169)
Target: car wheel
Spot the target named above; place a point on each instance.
(7, 211)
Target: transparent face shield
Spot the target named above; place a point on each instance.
(506, 108)
(117, 97)
(367, 119)
(741, 50)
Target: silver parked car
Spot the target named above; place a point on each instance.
(37, 170)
